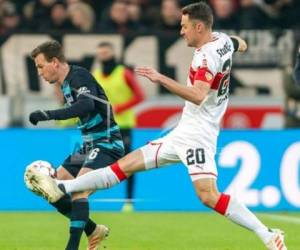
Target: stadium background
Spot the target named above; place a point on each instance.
(258, 152)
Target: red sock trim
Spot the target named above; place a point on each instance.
(118, 171)
(222, 204)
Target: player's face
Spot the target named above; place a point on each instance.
(104, 53)
(47, 70)
(189, 31)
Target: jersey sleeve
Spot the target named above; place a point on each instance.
(235, 44)
(82, 85)
(205, 68)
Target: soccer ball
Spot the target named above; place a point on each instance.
(44, 167)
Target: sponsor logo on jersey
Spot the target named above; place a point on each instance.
(83, 90)
(199, 166)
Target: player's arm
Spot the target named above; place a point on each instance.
(195, 93)
(81, 107)
(296, 73)
(239, 44)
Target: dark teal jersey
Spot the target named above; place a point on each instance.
(86, 100)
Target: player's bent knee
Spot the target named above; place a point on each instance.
(149, 154)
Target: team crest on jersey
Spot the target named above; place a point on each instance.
(208, 76)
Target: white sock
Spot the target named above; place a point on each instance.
(98, 179)
(241, 215)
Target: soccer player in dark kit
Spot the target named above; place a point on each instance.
(102, 141)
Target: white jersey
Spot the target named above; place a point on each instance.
(211, 63)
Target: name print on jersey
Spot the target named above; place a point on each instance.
(223, 51)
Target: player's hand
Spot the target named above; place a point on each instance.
(149, 73)
(39, 115)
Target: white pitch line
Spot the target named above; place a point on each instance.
(118, 200)
(283, 218)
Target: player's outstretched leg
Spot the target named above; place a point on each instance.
(45, 185)
(237, 212)
(53, 189)
(97, 179)
(103, 178)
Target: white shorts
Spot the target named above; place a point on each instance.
(199, 159)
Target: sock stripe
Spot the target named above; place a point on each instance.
(118, 171)
(222, 204)
(77, 223)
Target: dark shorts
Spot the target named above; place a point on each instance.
(95, 158)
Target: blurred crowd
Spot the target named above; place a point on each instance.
(125, 16)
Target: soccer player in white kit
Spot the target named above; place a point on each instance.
(194, 139)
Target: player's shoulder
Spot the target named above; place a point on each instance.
(78, 70)
(213, 50)
(220, 41)
(79, 75)
(211, 54)
(206, 53)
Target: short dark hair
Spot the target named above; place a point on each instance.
(106, 44)
(199, 11)
(49, 49)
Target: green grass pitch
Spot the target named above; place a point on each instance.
(144, 231)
